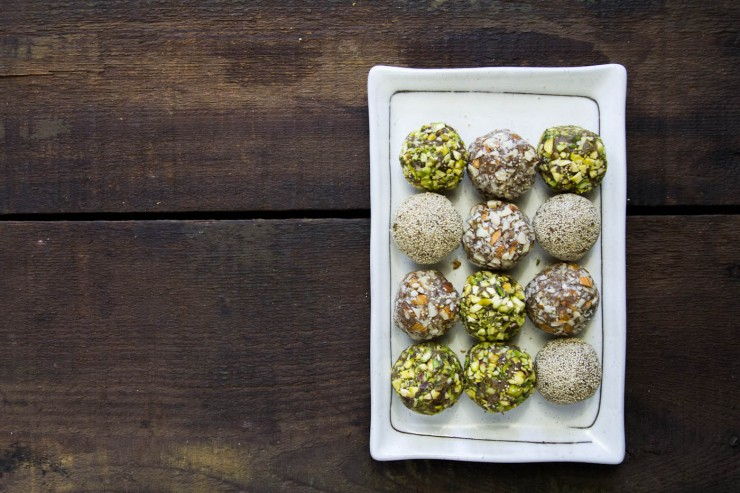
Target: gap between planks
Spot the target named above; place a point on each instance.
(666, 210)
(190, 215)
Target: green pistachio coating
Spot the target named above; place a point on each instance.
(572, 159)
(492, 306)
(434, 157)
(498, 377)
(427, 377)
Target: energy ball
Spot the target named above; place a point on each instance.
(502, 165)
(572, 159)
(434, 157)
(498, 235)
(427, 227)
(427, 377)
(426, 305)
(492, 306)
(498, 377)
(562, 299)
(568, 371)
(567, 226)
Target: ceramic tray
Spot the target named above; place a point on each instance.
(474, 102)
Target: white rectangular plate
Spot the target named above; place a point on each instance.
(474, 102)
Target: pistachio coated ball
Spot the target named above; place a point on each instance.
(492, 306)
(427, 377)
(498, 377)
(572, 159)
(433, 157)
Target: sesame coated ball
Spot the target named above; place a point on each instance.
(562, 299)
(433, 157)
(498, 377)
(427, 227)
(568, 371)
(572, 159)
(567, 226)
(502, 164)
(427, 377)
(498, 235)
(426, 305)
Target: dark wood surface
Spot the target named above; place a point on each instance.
(132, 106)
(143, 348)
(177, 355)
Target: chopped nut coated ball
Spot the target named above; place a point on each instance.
(498, 235)
(562, 299)
(427, 228)
(492, 306)
(572, 159)
(426, 305)
(567, 226)
(427, 377)
(568, 371)
(434, 157)
(498, 377)
(502, 165)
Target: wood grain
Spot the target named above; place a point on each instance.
(233, 355)
(221, 106)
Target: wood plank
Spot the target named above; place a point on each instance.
(130, 106)
(181, 356)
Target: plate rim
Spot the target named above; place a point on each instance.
(606, 85)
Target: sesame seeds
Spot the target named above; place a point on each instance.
(567, 226)
(568, 371)
(427, 227)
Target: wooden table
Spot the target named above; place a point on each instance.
(184, 239)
